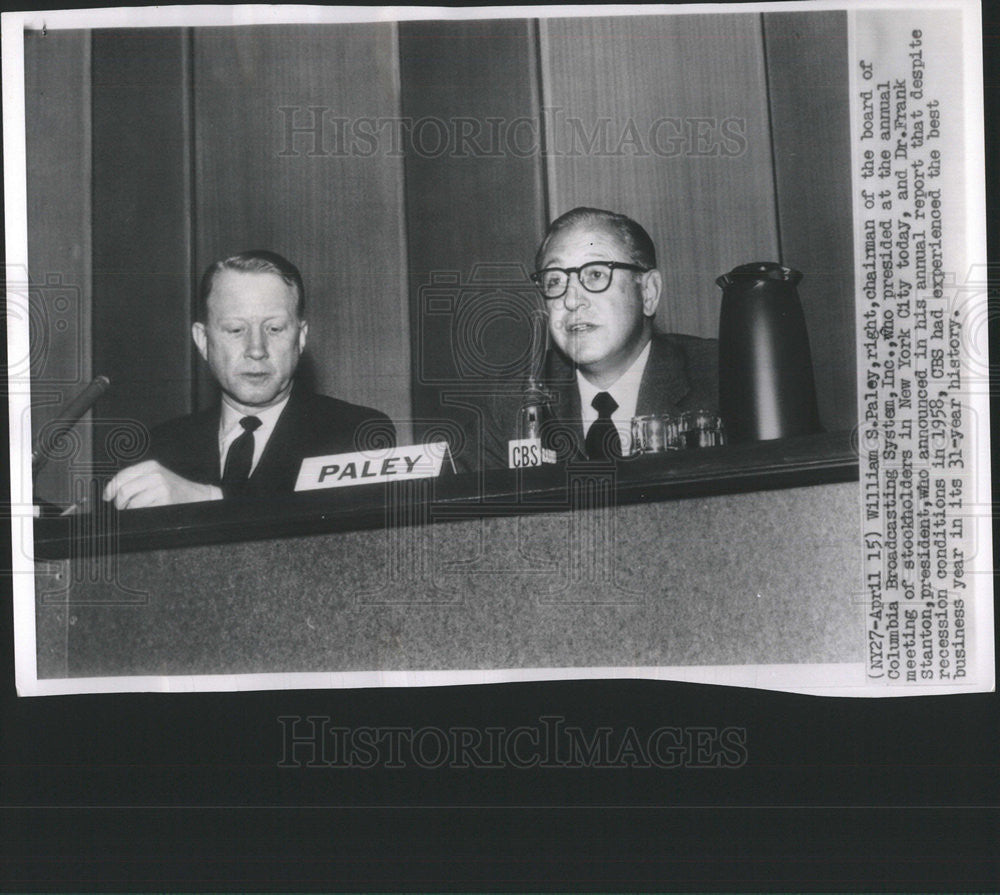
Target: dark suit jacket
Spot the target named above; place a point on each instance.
(310, 426)
(682, 373)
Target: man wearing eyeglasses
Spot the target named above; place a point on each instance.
(597, 273)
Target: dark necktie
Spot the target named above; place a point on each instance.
(240, 456)
(603, 441)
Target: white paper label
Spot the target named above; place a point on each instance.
(525, 452)
(414, 461)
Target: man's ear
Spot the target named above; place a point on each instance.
(652, 287)
(303, 332)
(200, 339)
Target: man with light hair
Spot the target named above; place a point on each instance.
(251, 330)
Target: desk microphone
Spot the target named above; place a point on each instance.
(41, 452)
(536, 401)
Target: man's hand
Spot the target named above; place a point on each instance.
(149, 484)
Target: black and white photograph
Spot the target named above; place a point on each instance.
(500, 449)
(474, 349)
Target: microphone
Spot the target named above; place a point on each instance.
(539, 346)
(41, 452)
(535, 410)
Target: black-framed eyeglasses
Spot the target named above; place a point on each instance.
(594, 276)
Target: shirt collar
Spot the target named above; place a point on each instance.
(625, 389)
(268, 416)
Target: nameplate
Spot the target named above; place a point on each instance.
(413, 461)
(525, 452)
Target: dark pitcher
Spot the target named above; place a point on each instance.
(766, 387)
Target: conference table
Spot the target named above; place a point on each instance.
(726, 556)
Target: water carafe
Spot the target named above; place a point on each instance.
(766, 387)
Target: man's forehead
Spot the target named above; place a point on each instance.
(597, 236)
(250, 288)
(257, 280)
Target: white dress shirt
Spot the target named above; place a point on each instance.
(625, 391)
(230, 429)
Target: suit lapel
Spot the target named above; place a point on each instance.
(279, 464)
(664, 381)
(561, 376)
(205, 448)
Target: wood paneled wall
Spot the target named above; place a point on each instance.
(334, 211)
(725, 136)
(141, 223)
(193, 160)
(474, 210)
(57, 302)
(706, 198)
(806, 62)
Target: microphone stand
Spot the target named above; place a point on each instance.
(535, 400)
